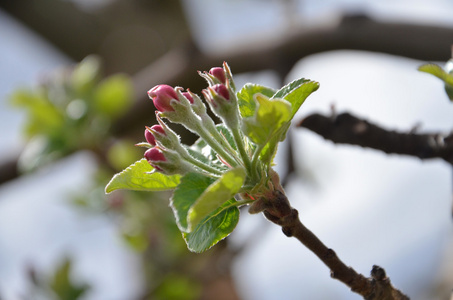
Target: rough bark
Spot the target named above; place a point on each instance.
(348, 129)
(277, 209)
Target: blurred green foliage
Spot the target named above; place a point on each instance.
(62, 284)
(71, 110)
(59, 285)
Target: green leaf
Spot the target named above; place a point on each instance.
(438, 72)
(246, 101)
(215, 195)
(296, 92)
(442, 75)
(269, 151)
(136, 177)
(186, 194)
(113, 95)
(269, 117)
(214, 228)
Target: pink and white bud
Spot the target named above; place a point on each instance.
(188, 97)
(149, 136)
(162, 95)
(218, 73)
(221, 90)
(154, 155)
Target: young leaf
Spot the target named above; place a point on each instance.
(246, 101)
(135, 178)
(213, 228)
(296, 92)
(269, 117)
(268, 153)
(215, 195)
(440, 73)
(188, 191)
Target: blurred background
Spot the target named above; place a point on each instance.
(73, 82)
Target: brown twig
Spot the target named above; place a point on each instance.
(277, 209)
(348, 129)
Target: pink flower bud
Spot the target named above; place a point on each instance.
(153, 155)
(188, 96)
(149, 134)
(162, 95)
(221, 90)
(150, 137)
(158, 128)
(218, 73)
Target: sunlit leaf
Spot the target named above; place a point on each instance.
(212, 229)
(442, 75)
(246, 101)
(215, 195)
(135, 178)
(437, 71)
(296, 92)
(186, 194)
(269, 151)
(269, 117)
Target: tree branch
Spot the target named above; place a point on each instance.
(277, 209)
(348, 129)
(354, 32)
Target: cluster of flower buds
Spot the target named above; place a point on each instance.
(187, 108)
(161, 140)
(221, 95)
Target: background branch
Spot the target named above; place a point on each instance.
(348, 129)
(176, 67)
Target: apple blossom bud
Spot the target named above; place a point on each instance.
(150, 137)
(222, 90)
(149, 134)
(218, 73)
(154, 155)
(188, 96)
(162, 95)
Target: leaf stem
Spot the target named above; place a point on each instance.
(212, 142)
(255, 157)
(243, 202)
(209, 124)
(238, 139)
(202, 165)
